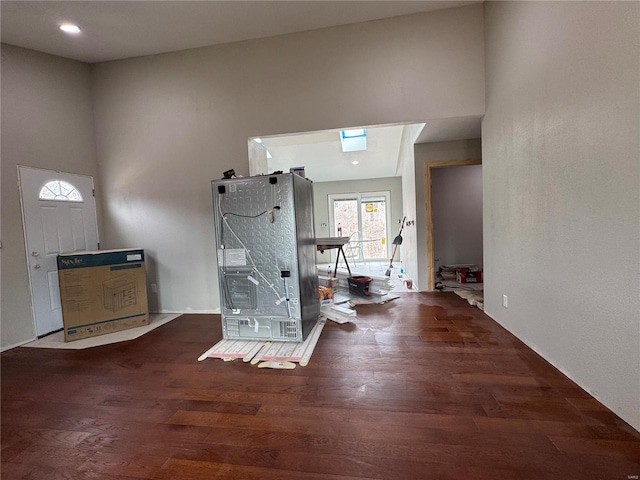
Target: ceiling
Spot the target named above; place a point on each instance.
(113, 30)
(118, 29)
(320, 153)
(324, 161)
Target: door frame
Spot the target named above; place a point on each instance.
(429, 211)
(24, 230)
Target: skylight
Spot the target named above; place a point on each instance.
(353, 140)
(261, 143)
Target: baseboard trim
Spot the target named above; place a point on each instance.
(9, 347)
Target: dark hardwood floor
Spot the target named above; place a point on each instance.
(424, 387)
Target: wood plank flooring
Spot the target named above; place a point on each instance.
(424, 387)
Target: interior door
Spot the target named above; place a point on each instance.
(59, 216)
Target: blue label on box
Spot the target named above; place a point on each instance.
(80, 260)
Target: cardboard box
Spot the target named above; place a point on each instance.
(468, 276)
(102, 292)
(326, 295)
(298, 171)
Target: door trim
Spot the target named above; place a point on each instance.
(429, 212)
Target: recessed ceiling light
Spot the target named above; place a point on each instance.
(355, 162)
(70, 28)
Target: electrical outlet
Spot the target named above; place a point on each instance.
(154, 288)
(505, 301)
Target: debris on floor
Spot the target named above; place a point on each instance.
(464, 276)
(338, 313)
(377, 284)
(353, 300)
(280, 355)
(474, 297)
(378, 289)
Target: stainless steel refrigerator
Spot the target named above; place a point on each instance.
(265, 244)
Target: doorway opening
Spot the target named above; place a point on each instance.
(433, 252)
(387, 164)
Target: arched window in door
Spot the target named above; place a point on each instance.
(61, 191)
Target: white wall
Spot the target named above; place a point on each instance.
(168, 124)
(47, 122)
(321, 190)
(456, 196)
(560, 142)
(410, 250)
(430, 153)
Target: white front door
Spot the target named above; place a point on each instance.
(59, 216)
